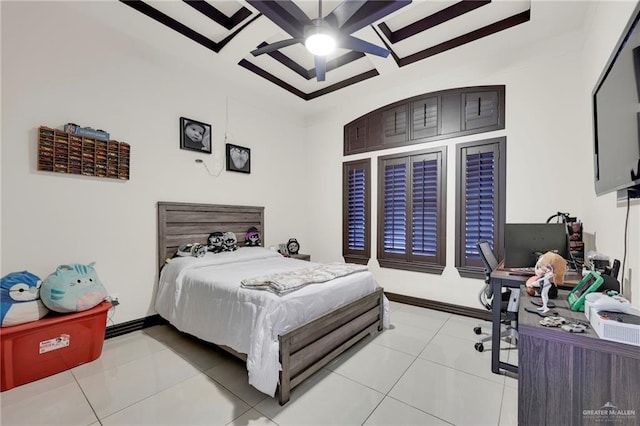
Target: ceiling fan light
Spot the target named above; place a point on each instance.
(320, 44)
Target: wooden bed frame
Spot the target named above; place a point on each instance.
(304, 349)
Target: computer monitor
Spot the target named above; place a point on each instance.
(525, 242)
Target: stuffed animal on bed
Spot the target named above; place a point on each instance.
(191, 249)
(72, 288)
(229, 241)
(253, 238)
(216, 240)
(550, 270)
(20, 299)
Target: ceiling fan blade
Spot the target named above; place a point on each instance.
(352, 15)
(354, 43)
(343, 12)
(275, 46)
(321, 67)
(285, 14)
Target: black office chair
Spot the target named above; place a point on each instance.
(613, 271)
(509, 302)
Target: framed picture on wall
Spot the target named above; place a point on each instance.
(238, 159)
(195, 135)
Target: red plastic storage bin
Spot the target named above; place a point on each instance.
(50, 345)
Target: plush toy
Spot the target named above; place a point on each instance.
(550, 270)
(72, 288)
(20, 299)
(253, 237)
(215, 240)
(191, 249)
(229, 241)
(556, 263)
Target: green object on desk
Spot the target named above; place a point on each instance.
(588, 284)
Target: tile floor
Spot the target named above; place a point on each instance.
(422, 371)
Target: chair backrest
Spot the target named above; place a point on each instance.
(489, 259)
(615, 269)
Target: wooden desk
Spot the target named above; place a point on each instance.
(571, 278)
(567, 378)
(502, 278)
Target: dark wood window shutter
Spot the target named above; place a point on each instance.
(480, 203)
(356, 245)
(424, 116)
(395, 207)
(481, 109)
(425, 203)
(395, 125)
(411, 225)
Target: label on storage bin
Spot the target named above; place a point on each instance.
(53, 344)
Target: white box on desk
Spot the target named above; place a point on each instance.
(608, 328)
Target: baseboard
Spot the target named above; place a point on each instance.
(135, 325)
(150, 321)
(482, 314)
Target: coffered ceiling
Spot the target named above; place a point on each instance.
(413, 33)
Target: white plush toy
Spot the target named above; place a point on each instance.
(191, 249)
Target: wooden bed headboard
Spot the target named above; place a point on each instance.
(180, 223)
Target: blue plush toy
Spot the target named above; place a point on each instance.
(20, 299)
(72, 288)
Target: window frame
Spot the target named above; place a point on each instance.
(408, 261)
(474, 268)
(353, 255)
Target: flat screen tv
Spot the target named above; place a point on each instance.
(616, 115)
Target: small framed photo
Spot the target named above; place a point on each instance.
(195, 136)
(238, 159)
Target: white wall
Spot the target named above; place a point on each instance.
(64, 62)
(549, 143)
(61, 65)
(603, 28)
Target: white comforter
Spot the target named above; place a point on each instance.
(203, 297)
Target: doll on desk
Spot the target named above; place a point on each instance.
(550, 271)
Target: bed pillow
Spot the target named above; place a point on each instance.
(178, 265)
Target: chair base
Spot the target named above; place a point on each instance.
(508, 333)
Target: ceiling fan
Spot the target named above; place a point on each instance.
(319, 35)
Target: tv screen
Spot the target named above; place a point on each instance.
(525, 242)
(616, 109)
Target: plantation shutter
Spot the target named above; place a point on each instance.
(412, 233)
(480, 202)
(395, 207)
(424, 116)
(356, 211)
(424, 207)
(357, 223)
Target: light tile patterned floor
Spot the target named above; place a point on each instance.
(422, 371)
